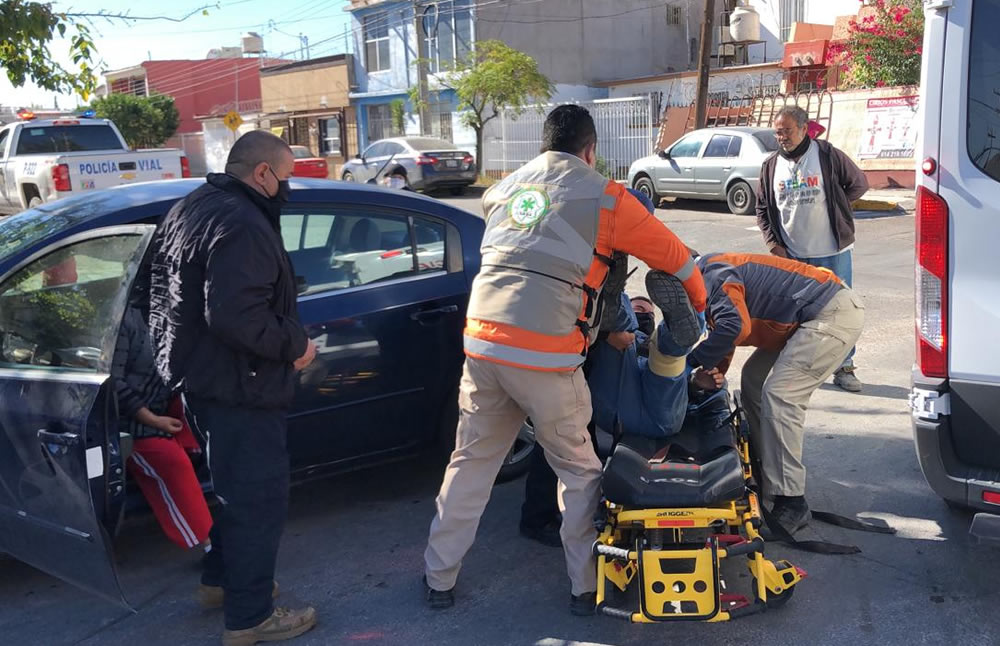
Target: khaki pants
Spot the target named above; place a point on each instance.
(494, 401)
(777, 387)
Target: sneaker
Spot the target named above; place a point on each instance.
(547, 534)
(583, 605)
(284, 623)
(790, 513)
(667, 292)
(439, 599)
(612, 290)
(213, 596)
(845, 379)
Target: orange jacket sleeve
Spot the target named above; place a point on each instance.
(629, 227)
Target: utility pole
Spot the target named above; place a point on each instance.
(704, 62)
(418, 27)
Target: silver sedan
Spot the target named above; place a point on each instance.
(427, 164)
(709, 164)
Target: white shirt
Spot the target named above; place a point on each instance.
(801, 201)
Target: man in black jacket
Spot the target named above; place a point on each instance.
(226, 333)
(804, 206)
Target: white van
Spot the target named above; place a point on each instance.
(956, 381)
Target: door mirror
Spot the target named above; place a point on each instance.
(360, 156)
(664, 154)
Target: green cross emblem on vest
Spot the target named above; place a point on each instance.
(527, 207)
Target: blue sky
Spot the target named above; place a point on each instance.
(122, 44)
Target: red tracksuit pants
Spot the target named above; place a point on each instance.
(164, 473)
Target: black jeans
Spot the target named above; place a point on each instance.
(541, 499)
(248, 458)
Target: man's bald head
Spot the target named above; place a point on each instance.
(260, 159)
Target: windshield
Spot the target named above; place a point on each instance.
(301, 152)
(40, 140)
(767, 140)
(428, 143)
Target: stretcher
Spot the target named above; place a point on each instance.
(675, 512)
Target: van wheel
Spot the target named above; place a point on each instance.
(645, 186)
(741, 199)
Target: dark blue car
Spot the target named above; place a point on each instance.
(383, 279)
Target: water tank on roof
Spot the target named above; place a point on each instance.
(253, 43)
(744, 24)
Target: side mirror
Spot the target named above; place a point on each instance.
(664, 154)
(360, 156)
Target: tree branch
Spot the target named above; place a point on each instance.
(125, 16)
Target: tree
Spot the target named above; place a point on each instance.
(144, 121)
(493, 78)
(27, 29)
(884, 47)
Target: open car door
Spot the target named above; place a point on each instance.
(62, 483)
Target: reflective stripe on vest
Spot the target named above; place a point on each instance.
(520, 356)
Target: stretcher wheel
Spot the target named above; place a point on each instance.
(773, 600)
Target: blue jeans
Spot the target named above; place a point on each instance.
(624, 388)
(842, 265)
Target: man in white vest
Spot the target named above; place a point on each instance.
(552, 227)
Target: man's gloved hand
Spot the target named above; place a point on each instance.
(620, 340)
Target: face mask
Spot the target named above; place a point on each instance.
(284, 190)
(395, 182)
(647, 322)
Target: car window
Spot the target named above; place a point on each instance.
(984, 122)
(54, 312)
(688, 146)
(735, 146)
(767, 141)
(3, 141)
(718, 146)
(350, 248)
(301, 152)
(393, 148)
(36, 140)
(430, 143)
(374, 150)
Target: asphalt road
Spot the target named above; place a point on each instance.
(353, 545)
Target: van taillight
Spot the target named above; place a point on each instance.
(185, 167)
(932, 283)
(60, 178)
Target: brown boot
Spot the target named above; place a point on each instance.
(284, 623)
(213, 596)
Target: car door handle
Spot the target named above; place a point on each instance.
(688, 170)
(62, 439)
(428, 316)
(727, 168)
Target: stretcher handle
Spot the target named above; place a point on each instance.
(750, 547)
(613, 552)
(617, 613)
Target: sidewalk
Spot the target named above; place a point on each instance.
(898, 200)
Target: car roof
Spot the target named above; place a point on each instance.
(144, 201)
(746, 130)
(60, 121)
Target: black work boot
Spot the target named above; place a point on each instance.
(612, 290)
(583, 605)
(439, 599)
(667, 292)
(790, 513)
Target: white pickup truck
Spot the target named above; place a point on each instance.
(44, 160)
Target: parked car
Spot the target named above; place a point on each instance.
(708, 164)
(384, 280)
(956, 379)
(42, 160)
(429, 164)
(306, 165)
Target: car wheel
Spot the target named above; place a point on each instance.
(458, 190)
(645, 186)
(741, 199)
(518, 461)
(348, 177)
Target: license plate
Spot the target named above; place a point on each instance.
(451, 163)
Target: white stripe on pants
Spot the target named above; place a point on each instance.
(175, 513)
(776, 387)
(494, 400)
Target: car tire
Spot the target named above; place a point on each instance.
(458, 190)
(645, 186)
(741, 199)
(518, 460)
(348, 177)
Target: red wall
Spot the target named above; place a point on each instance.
(204, 87)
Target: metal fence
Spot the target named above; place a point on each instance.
(625, 132)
